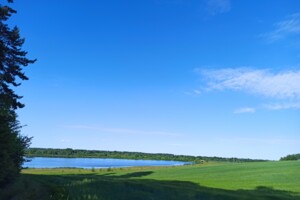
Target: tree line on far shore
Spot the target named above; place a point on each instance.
(291, 157)
(79, 153)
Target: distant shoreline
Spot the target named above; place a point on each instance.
(79, 153)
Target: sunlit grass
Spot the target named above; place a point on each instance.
(264, 180)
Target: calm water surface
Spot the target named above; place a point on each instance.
(43, 162)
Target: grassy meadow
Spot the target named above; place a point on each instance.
(261, 180)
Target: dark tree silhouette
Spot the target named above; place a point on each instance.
(12, 61)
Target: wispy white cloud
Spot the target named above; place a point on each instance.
(284, 28)
(283, 87)
(194, 92)
(267, 141)
(178, 144)
(279, 85)
(64, 140)
(120, 130)
(244, 110)
(215, 7)
(283, 106)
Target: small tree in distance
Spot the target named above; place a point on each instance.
(12, 61)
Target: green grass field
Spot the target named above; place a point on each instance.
(264, 180)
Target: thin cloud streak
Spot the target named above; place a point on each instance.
(179, 145)
(267, 141)
(194, 92)
(244, 110)
(284, 28)
(280, 85)
(215, 7)
(120, 130)
(283, 106)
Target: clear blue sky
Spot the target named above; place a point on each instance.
(211, 77)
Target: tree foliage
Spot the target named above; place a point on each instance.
(12, 61)
(291, 157)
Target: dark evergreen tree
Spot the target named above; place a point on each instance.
(12, 61)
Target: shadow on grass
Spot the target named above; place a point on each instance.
(136, 174)
(129, 186)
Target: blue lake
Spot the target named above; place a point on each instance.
(88, 163)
